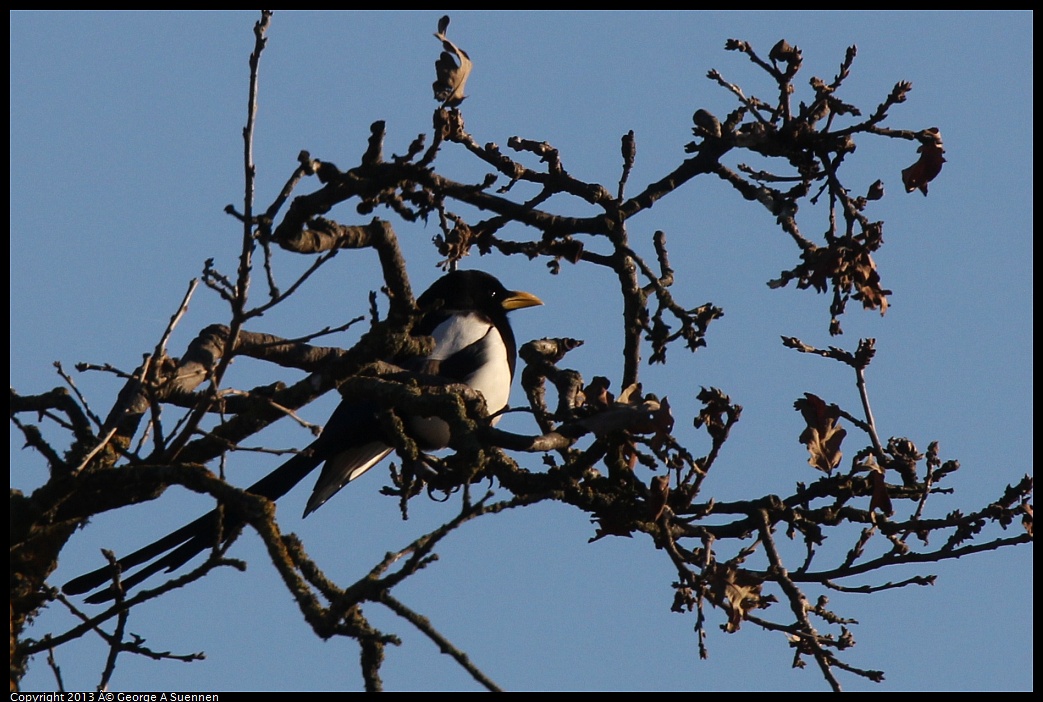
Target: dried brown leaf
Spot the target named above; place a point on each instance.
(880, 499)
(451, 69)
(823, 435)
(929, 165)
(658, 494)
(631, 394)
(867, 280)
(736, 591)
(596, 394)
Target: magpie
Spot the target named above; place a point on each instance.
(466, 314)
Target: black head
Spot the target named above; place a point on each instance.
(474, 290)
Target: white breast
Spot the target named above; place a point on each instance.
(459, 332)
(489, 380)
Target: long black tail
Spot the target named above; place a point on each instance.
(182, 545)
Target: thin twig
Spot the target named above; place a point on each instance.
(444, 645)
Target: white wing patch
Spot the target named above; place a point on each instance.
(342, 469)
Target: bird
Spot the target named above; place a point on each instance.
(465, 311)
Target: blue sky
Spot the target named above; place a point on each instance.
(126, 146)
